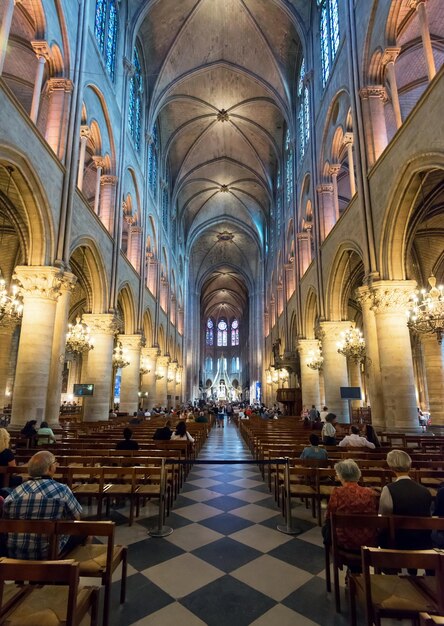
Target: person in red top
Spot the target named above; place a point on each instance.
(352, 498)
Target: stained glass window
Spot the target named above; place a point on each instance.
(329, 31)
(222, 335)
(152, 161)
(288, 168)
(304, 111)
(135, 101)
(210, 333)
(165, 208)
(235, 333)
(106, 25)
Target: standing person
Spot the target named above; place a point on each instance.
(40, 497)
(45, 435)
(329, 431)
(127, 443)
(323, 414)
(313, 414)
(354, 440)
(404, 496)
(220, 417)
(181, 433)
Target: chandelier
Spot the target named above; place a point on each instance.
(120, 358)
(352, 344)
(11, 306)
(144, 366)
(78, 338)
(315, 360)
(426, 311)
(283, 375)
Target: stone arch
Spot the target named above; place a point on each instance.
(161, 340)
(87, 264)
(148, 327)
(310, 313)
(347, 271)
(127, 308)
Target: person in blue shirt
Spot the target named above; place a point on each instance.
(313, 451)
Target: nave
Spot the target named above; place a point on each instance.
(225, 563)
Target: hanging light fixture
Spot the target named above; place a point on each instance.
(315, 360)
(145, 367)
(352, 345)
(120, 358)
(78, 338)
(11, 304)
(426, 311)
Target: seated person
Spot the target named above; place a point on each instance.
(40, 497)
(354, 440)
(163, 434)
(29, 431)
(370, 435)
(351, 498)
(438, 535)
(404, 496)
(7, 458)
(313, 451)
(181, 433)
(45, 435)
(127, 443)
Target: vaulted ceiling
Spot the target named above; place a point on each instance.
(222, 75)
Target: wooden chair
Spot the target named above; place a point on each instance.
(396, 596)
(98, 560)
(42, 530)
(87, 482)
(431, 620)
(63, 603)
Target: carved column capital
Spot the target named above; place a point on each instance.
(151, 353)
(305, 346)
(99, 161)
(106, 179)
(39, 281)
(392, 296)
(128, 67)
(68, 282)
(101, 323)
(364, 297)
(390, 55)
(414, 4)
(374, 91)
(334, 169)
(163, 361)
(130, 342)
(331, 331)
(348, 138)
(324, 188)
(59, 84)
(41, 49)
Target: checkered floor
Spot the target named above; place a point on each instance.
(225, 563)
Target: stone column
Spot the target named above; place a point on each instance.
(84, 136)
(108, 201)
(420, 7)
(171, 384)
(161, 381)
(388, 60)
(129, 388)
(373, 99)
(334, 171)
(289, 279)
(7, 13)
(134, 246)
(6, 331)
(151, 274)
(99, 371)
(354, 375)
(348, 142)
(59, 92)
(99, 162)
(372, 366)
(42, 52)
(179, 383)
(304, 246)
(58, 348)
(40, 286)
(335, 368)
(309, 378)
(433, 361)
(149, 379)
(328, 212)
(390, 302)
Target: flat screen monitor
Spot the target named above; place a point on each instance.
(82, 390)
(351, 393)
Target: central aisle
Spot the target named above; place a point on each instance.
(225, 563)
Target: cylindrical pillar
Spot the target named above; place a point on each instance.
(374, 98)
(99, 371)
(134, 246)
(58, 348)
(434, 361)
(99, 163)
(171, 385)
(84, 136)
(335, 368)
(309, 377)
(391, 299)
(388, 59)
(334, 171)
(8, 11)
(129, 386)
(108, 201)
(304, 248)
(328, 211)
(149, 379)
(420, 6)
(354, 374)
(40, 289)
(35, 105)
(348, 140)
(6, 331)
(372, 367)
(160, 398)
(59, 92)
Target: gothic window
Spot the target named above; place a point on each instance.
(235, 333)
(222, 334)
(152, 161)
(105, 31)
(329, 31)
(135, 101)
(210, 333)
(209, 364)
(304, 111)
(165, 207)
(288, 168)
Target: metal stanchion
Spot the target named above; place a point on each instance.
(161, 530)
(288, 527)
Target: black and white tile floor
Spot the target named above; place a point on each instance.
(225, 563)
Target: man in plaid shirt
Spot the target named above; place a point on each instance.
(41, 497)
